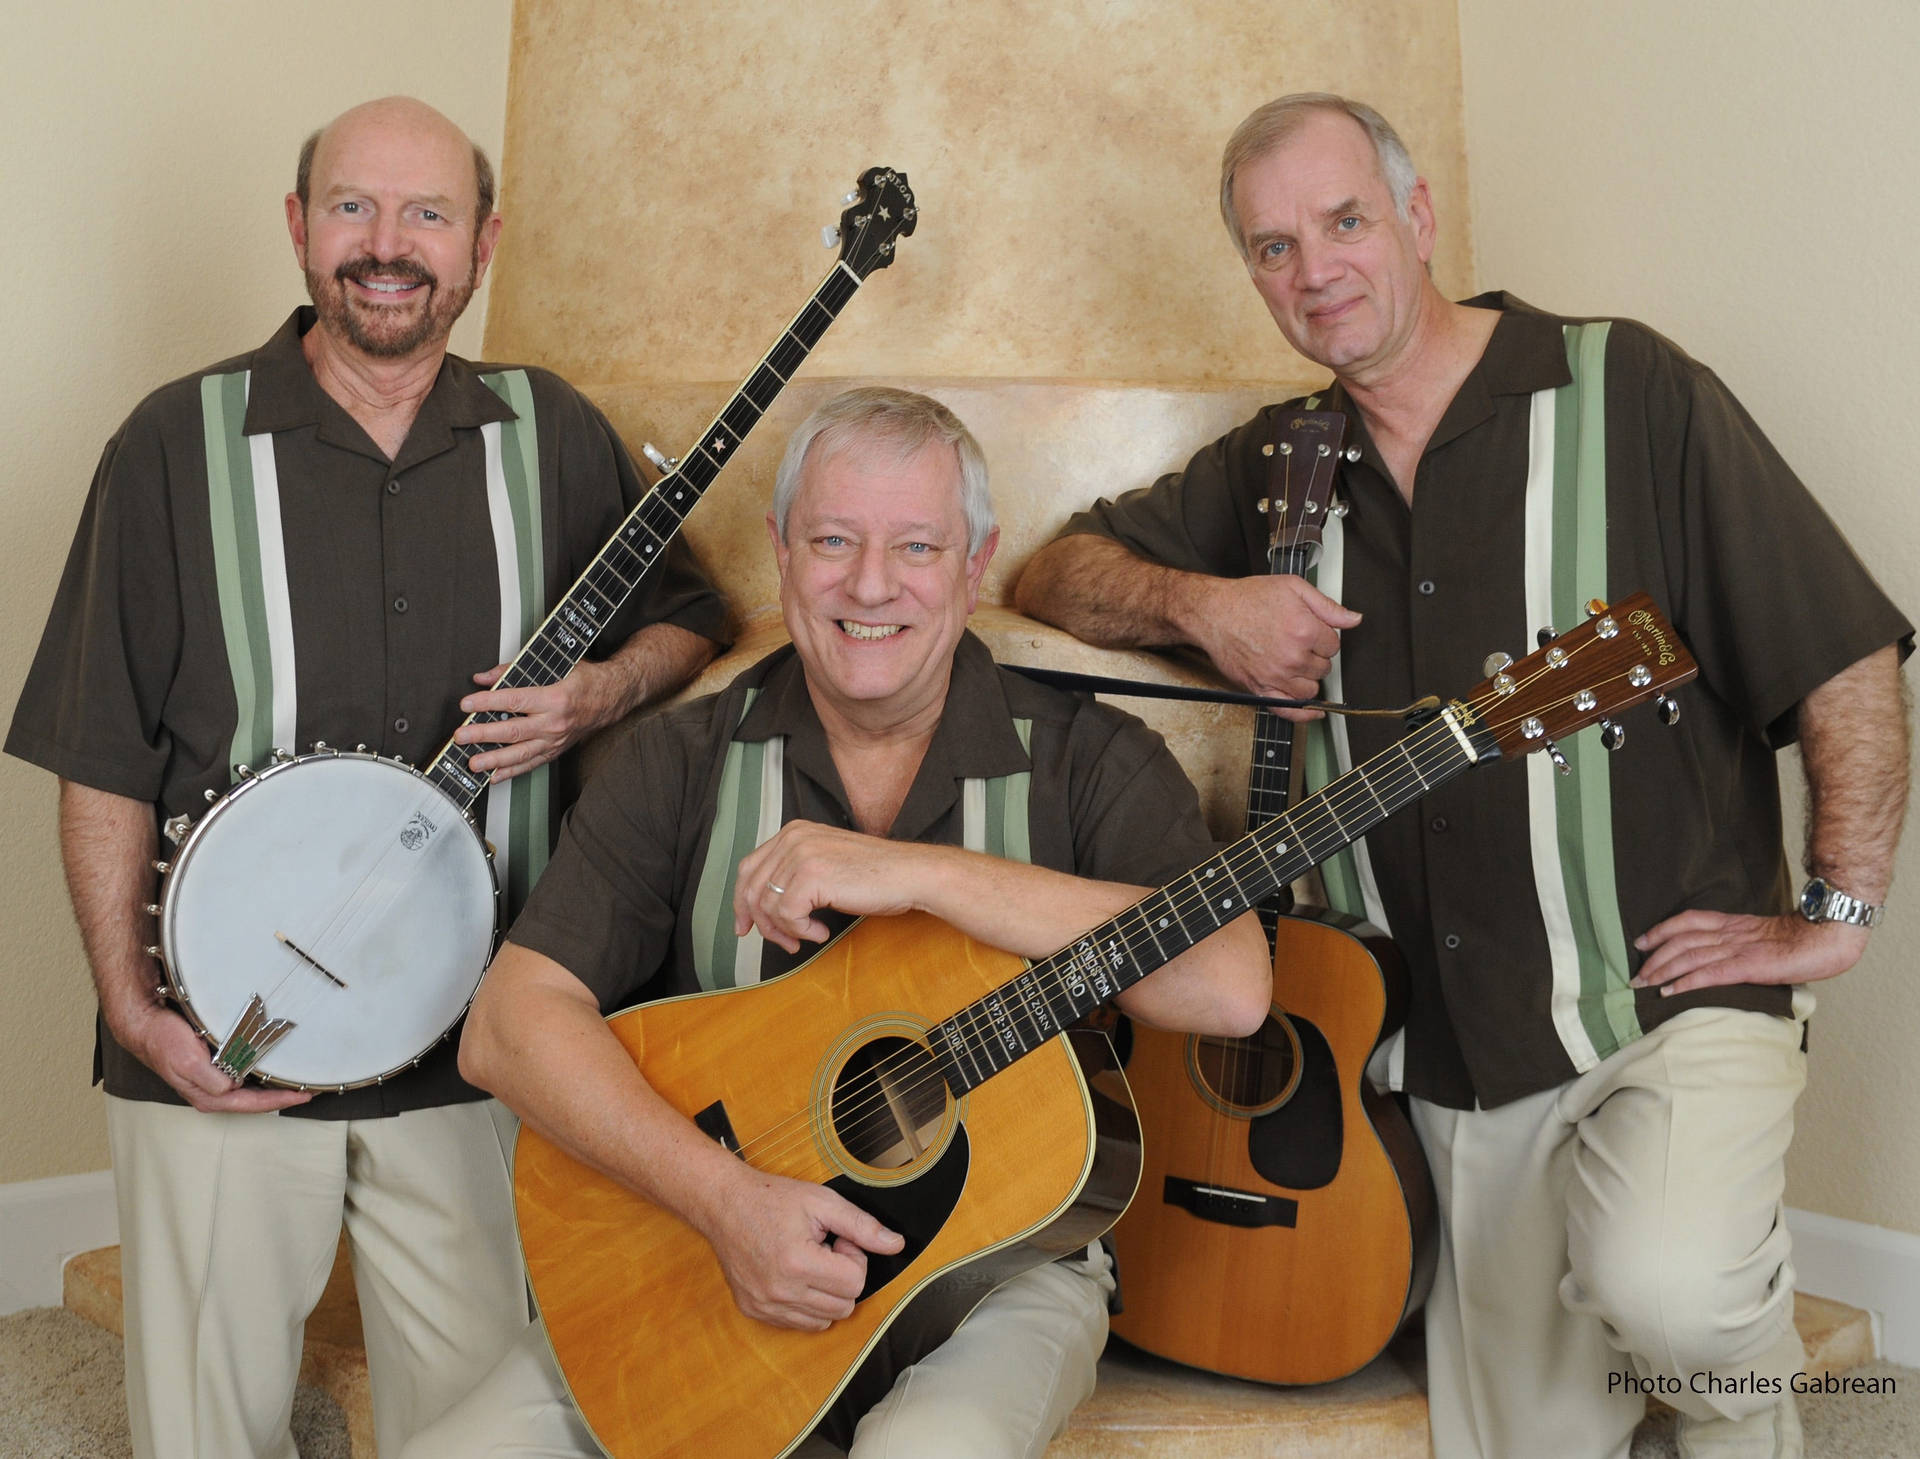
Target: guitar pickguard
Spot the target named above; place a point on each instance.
(916, 1209)
(1298, 1145)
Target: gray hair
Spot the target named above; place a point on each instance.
(898, 418)
(482, 179)
(1274, 124)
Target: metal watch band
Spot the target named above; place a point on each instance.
(1821, 901)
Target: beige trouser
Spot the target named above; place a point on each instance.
(1617, 1235)
(228, 1227)
(1000, 1388)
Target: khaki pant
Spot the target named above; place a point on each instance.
(228, 1228)
(1000, 1388)
(1620, 1234)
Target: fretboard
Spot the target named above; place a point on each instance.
(988, 1035)
(580, 618)
(1270, 777)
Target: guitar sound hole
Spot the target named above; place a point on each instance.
(1247, 1076)
(889, 1104)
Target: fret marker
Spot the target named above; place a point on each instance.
(1226, 901)
(1163, 921)
(1279, 846)
(719, 444)
(1209, 873)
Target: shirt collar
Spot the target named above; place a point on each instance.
(975, 738)
(1526, 352)
(283, 395)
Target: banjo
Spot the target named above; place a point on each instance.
(328, 921)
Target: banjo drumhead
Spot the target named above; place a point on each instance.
(367, 869)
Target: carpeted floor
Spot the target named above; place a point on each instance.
(62, 1395)
(61, 1398)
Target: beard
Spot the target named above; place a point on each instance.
(389, 331)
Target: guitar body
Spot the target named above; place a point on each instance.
(819, 1075)
(1284, 1229)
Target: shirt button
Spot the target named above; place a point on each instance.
(1426, 587)
(399, 605)
(393, 488)
(1451, 941)
(400, 725)
(1439, 825)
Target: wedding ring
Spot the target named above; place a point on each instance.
(776, 889)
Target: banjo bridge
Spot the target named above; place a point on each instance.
(252, 1036)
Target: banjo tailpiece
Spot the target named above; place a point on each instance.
(252, 1036)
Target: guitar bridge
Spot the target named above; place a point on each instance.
(1226, 1206)
(252, 1036)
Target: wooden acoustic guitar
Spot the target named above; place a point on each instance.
(930, 1079)
(1284, 1229)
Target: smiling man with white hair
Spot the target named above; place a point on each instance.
(891, 743)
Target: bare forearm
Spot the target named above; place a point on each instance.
(656, 661)
(535, 1039)
(1221, 985)
(1854, 744)
(107, 847)
(1100, 592)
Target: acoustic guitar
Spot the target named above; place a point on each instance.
(1285, 1226)
(930, 1079)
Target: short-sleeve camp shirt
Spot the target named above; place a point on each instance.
(1702, 513)
(394, 587)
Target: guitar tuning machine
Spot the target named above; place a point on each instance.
(1668, 709)
(851, 198)
(1495, 662)
(1352, 453)
(1612, 736)
(1559, 760)
(1545, 636)
(829, 237)
(660, 458)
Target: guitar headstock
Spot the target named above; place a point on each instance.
(1620, 657)
(1301, 461)
(882, 213)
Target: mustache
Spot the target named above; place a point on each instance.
(404, 270)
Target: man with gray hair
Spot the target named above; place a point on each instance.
(335, 529)
(727, 838)
(1604, 1041)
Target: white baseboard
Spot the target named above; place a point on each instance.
(42, 1223)
(1864, 1266)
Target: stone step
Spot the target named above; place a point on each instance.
(1143, 1406)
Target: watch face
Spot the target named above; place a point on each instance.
(1813, 900)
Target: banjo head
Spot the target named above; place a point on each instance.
(351, 896)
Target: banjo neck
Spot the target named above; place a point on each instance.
(883, 212)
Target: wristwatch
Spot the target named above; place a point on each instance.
(1821, 901)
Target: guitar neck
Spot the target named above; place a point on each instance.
(988, 1035)
(633, 551)
(1270, 776)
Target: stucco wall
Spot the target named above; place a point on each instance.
(673, 165)
(1740, 176)
(144, 154)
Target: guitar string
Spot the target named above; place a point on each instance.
(1184, 905)
(1357, 787)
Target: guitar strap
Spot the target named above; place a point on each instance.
(1570, 818)
(751, 806)
(256, 616)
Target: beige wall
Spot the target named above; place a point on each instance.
(144, 151)
(1741, 176)
(672, 167)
